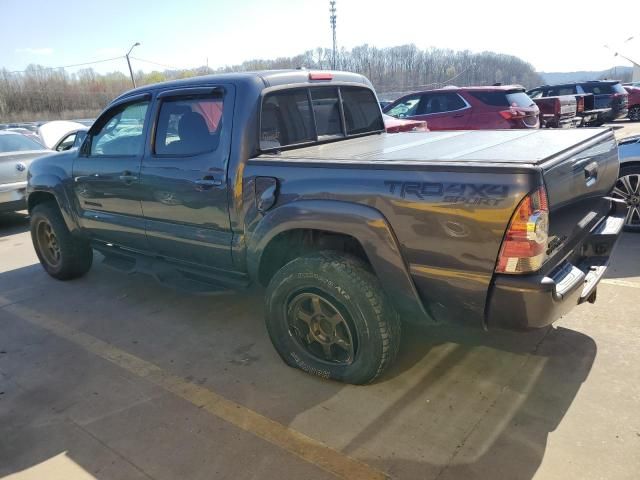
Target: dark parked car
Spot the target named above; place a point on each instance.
(469, 108)
(610, 98)
(16, 153)
(288, 179)
(628, 185)
(634, 103)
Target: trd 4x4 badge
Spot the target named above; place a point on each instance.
(467, 193)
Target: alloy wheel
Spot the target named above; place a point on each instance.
(48, 244)
(320, 328)
(634, 113)
(628, 189)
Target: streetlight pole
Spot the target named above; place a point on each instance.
(129, 63)
(332, 18)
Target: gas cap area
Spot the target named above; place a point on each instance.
(266, 190)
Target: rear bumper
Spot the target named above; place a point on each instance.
(535, 301)
(13, 196)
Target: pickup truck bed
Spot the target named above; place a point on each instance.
(448, 197)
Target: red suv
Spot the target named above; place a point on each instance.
(469, 108)
(634, 103)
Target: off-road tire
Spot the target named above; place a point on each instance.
(75, 254)
(350, 285)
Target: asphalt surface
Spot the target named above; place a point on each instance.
(113, 376)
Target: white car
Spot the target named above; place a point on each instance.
(55, 132)
(16, 153)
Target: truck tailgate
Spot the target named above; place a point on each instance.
(578, 183)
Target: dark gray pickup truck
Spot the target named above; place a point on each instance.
(287, 179)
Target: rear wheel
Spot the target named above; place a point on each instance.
(61, 254)
(634, 113)
(628, 189)
(327, 315)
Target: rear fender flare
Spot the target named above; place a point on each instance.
(365, 224)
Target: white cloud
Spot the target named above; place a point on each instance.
(36, 51)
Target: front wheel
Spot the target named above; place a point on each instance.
(61, 254)
(628, 189)
(327, 314)
(634, 113)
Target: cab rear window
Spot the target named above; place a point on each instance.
(306, 115)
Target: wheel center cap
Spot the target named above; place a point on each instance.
(635, 200)
(322, 327)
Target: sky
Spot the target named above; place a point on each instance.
(190, 33)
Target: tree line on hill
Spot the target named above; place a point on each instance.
(40, 93)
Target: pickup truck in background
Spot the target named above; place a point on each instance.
(609, 98)
(287, 179)
(558, 112)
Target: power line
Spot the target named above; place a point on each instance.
(156, 63)
(71, 66)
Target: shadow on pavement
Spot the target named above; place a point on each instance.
(12, 223)
(625, 262)
(457, 404)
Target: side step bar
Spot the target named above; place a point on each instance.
(181, 277)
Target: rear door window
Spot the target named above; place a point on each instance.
(440, 103)
(189, 126)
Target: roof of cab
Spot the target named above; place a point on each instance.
(269, 78)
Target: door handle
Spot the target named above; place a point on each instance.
(206, 182)
(128, 177)
(591, 173)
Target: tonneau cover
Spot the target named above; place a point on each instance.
(494, 146)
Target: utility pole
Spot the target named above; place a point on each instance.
(129, 63)
(332, 18)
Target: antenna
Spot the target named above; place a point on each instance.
(332, 18)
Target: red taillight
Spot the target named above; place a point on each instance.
(524, 246)
(320, 76)
(513, 114)
(580, 104)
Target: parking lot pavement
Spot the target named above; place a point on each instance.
(114, 376)
(624, 128)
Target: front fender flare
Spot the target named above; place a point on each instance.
(53, 185)
(365, 224)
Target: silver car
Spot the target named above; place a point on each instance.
(628, 185)
(16, 153)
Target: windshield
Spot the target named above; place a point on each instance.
(18, 143)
